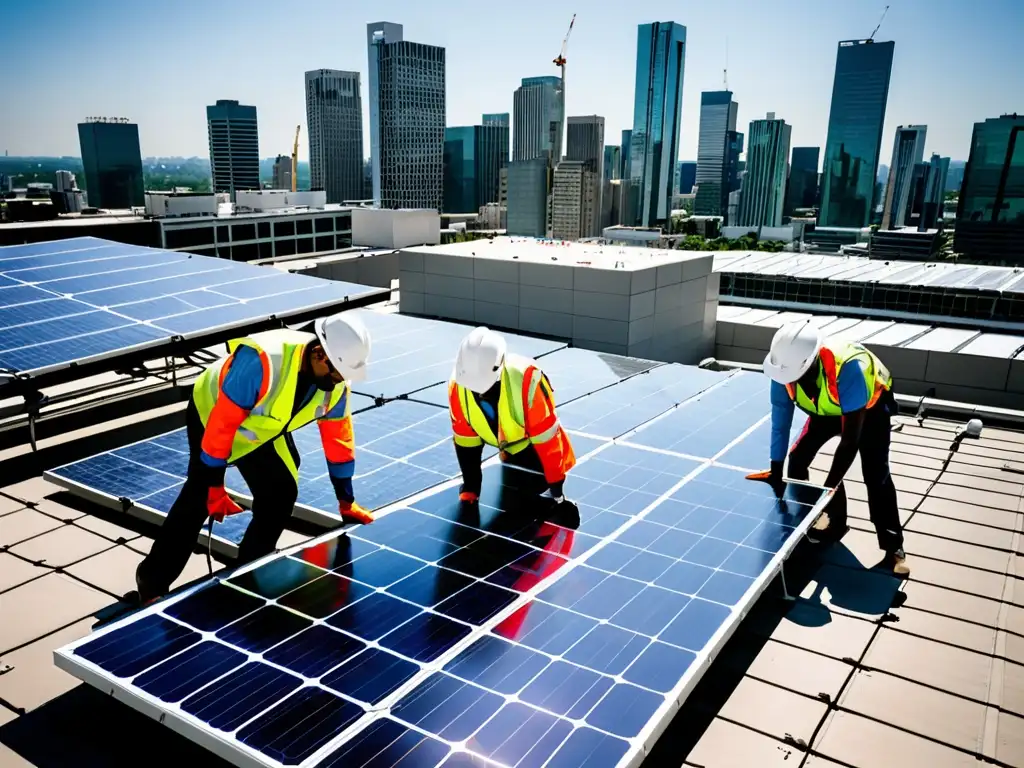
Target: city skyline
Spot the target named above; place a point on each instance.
(168, 104)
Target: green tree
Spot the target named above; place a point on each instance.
(693, 243)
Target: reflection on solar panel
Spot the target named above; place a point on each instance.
(74, 301)
(443, 635)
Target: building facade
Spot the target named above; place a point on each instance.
(803, 179)
(612, 162)
(234, 146)
(538, 115)
(764, 185)
(497, 118)
(528, 185)
(907, 154)
(657, 114)
(687, 177)
(411, 83)
(860, 92)
(473, 158)
(718, 114)
(377, 33)
(575, 205)
(929, 195)
(112, 162)
(334, 126)
(990, 214)
(282, 174)
(585, 143)
(625, 150)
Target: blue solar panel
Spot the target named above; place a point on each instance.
(72, 301)
(411, 353)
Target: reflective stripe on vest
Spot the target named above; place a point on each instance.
(520, 378)
(281, 353)
(832, 358)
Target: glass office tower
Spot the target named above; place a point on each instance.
(717, 119)
(859, 95)
(803, 179)
(764, 186)
(907, 154)
(473, 158)
(112, 162)
(538, 115)
(657, 114)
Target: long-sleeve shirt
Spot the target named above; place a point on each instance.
(241, 386)
(853, 395)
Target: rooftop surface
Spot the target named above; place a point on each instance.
(860, 670)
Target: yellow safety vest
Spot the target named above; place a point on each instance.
(281, 352)
(513, 404)
(833, 356)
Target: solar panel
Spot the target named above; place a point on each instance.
(79, 301)
(441, 635)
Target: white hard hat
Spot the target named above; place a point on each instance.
(347, 343)
(481, 355)
(794, 349)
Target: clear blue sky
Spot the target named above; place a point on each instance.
(161, 63)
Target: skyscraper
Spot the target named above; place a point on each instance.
(657, 113)
(281, 178)
(907, 153)
(377, 32)
(717, 118)
(932, 196)
(528, 184)
(764, 185)
(473, 158)
(625, 153)
(334, 125)
(538, 114)
(990, 214)
(411, 111)
(574, 203)
(112, 162)
(612, 162)
(687, 177)
(585, 142)
(234, 146)
(497, 118)
(859, 95)
(803, 179)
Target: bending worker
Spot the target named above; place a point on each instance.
(242, 411)
(847, 392)
(505, 401)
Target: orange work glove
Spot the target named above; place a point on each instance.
(219, 505)
(351, 512)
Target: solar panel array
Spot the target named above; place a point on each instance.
(444, 635)
(72, 301)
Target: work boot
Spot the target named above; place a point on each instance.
(824, 532)
(896, 563)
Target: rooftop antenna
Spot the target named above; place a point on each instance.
(871, 39)
(725, 72)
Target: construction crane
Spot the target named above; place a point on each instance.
(871, 38)
(559, 61)
(295, 158)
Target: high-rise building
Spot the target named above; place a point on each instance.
(112, 162)
(497, 118)
(538, 114)
(612, 162)
(687, 177)
(803, 179)
(234, 146)
(717, 119)
(473, 158)
(733, 164)
(574, 202)
(377, 33)
(334, 124)
(990, 213)
(859, 95)
(907, 154)
(282, 173)
(657, 114)
(528, 184)
(764, 185)
(625, 153)
(930, 196)
(585, 142)
(411, 86)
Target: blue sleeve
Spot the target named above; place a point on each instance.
(241, 386)
(782, 421)
(853, 388)
(338, 411)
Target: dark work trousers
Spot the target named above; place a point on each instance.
(529, 483)
(874, 461)
(273, 493)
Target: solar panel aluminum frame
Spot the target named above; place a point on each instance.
(242, 755)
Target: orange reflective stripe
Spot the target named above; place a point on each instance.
(791, 389)
(879, 389)
(460, 425)
(221, 426)
(338, 439)
(556, 455)
(828, 366)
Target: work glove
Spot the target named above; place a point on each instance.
(773, 477)
(351, 512)
(219, 505)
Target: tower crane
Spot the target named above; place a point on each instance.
(295, 158)
(871, 38)
(559, 61)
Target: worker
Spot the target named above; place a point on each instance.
(507, 402)
(847, 393)
(242, 412)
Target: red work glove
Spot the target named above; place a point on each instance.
(351, 512)
(219, 505)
